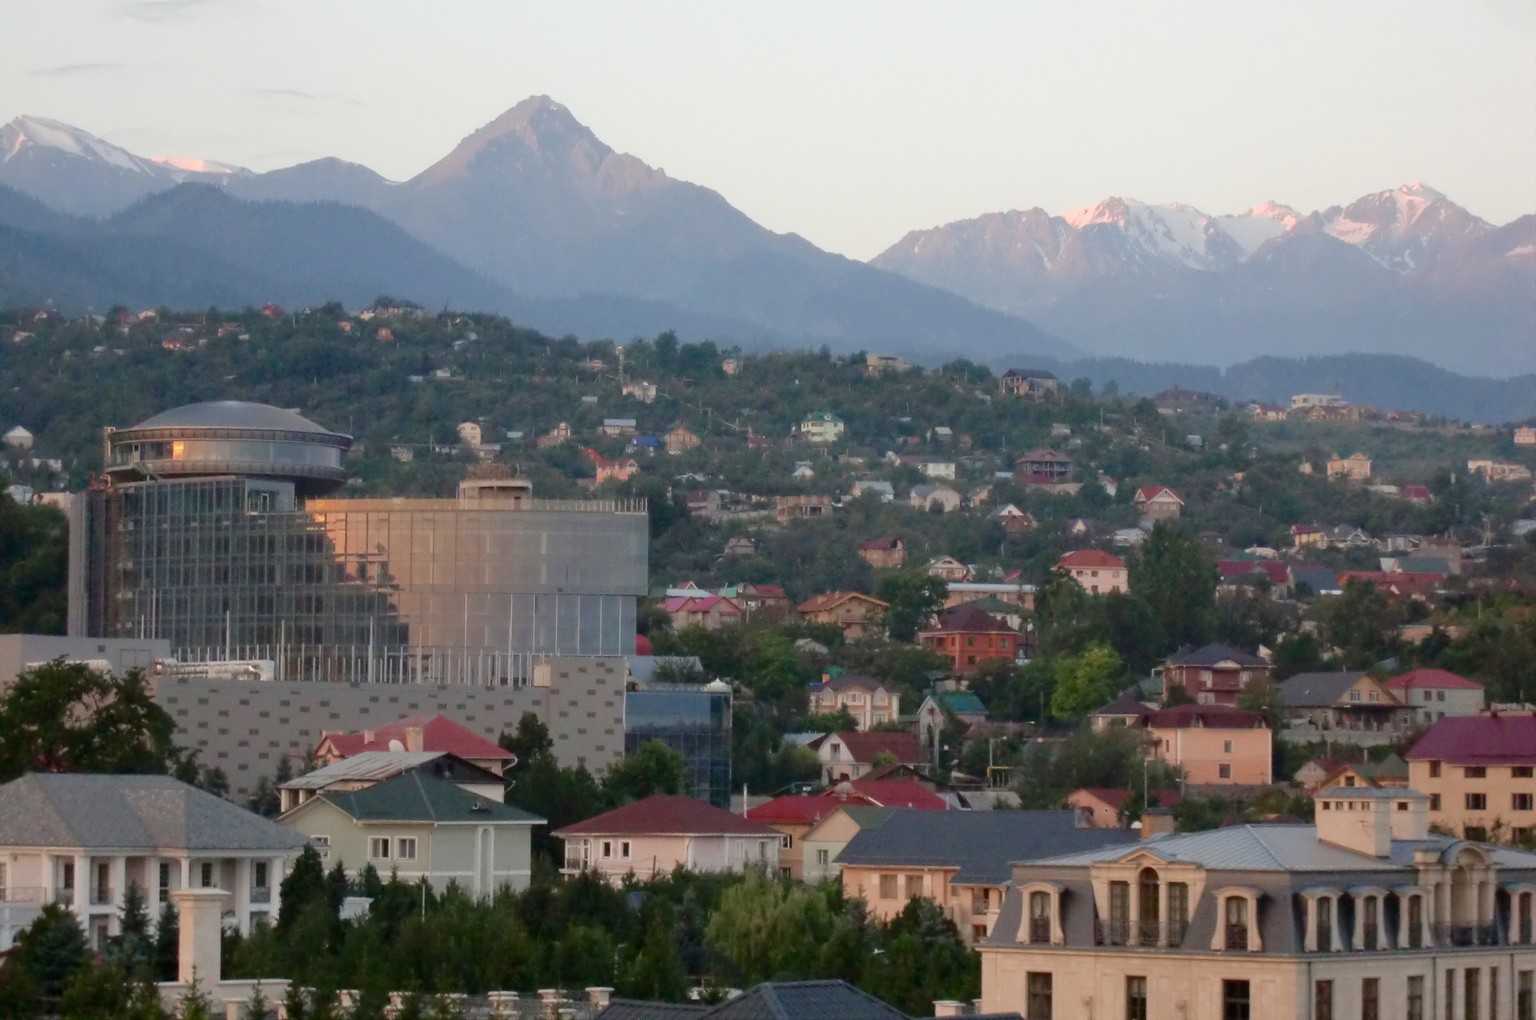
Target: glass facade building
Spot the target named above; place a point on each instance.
(694, 721)
(249, 565)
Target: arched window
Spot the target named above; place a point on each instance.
(1148, 895)
(1040, 917)
(1235, 923)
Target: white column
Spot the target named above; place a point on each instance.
(243, 894)
(1309, 940)
(82, 888)
(118, 872)
(186, 873)
(50, 877)
(1162, 912)
(152, 889)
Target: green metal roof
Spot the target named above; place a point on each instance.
(414, 797)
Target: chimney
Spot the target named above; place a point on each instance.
(948, 1007)
(1359, 819)
(367, 737)
(549, 1000)
(598, 997)
(201, 929)
(413, 738)
(1156, 822)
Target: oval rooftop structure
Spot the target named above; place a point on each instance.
(229, 437)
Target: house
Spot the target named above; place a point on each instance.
(878, 364)
(794, 508)
(1127, 538)
(680, 440)
(794, 815)
(868, 700)
(649, 838)
(1105, 808)
(421, 826)
(821, 427)
(853, 613)
(1324, 704)
(1301, 401)
(1390, 772)
(1271, 576)
(1041, 466)
(1307, 536)
(1215, 674)
(1444, 548)
(620, 470)
(766, 599)
(1525, 435)
(373, 767)
(944, 469)
(1177, 399)
(1347, 536)
(1499, 471)
(643, 391)
(1417, 494)
(81, 840)
(939, 707)
(803, 471)
(1433, 694)
(417, 733)
(1356, 467)
(1096, 572)
(1315, 771)
(643, 442)
(1366, 913)
(1126, 710)
(708, 611)
(1013, 598)
(1025, 382)
(554, 437)
(1158, 503)
(958, 860)
(617, 427)
(1212, 744)
(18, 438)
(969, 637)
(935, 498)
(740, 545)
(888, 551)
(947, 568)
(883, 491)
(854, 754)
(1478, 774)
(825, 839)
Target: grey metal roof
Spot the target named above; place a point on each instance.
(981, 844)
(130, 813)
(231, 414)
(634, 1009)
(1316, 690)
(805, 1000)
(376, 766)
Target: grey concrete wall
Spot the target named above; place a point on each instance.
(121, 654)
(245, 727)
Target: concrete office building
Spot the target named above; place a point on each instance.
(20, 652)
(210, 529)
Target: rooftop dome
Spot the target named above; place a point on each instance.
(231, 414)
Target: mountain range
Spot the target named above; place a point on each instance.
(534, 216)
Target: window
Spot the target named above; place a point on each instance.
(1520, 801)
(322, 844)
(1434, 802)
(1234, 1001)
(1224, 771)
(914, 886)
(1440, 696)
(1471, 985)
(1415, 922)
(1119, 913)
(1493, 993)
(207, 875)
(1324, 924)
(786, 842)
(378, 848)
(165, 882)
(1434, 770)
(1477, 802)
(1475, 833)
(405, 848)
(1370, 926)
(1521, 772)
(1375, 695)
(1415, 998)
(1525, 996)
(1475, 772)
(1236, 913)
(1450, 992)
(1226, 747)
(887, 887)
(1322, 1000)
(259, 874)
(1353, 696)
(1178, 912)
(624, 849)
(823, 857)
(1037, 995)
(1370, 998)
(606, 849)
(1039, 917)
(1135, 998)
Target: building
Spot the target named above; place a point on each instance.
(773, 1000)
(649, 838)
(1301, 401)
(1105, 808)
(934, 498)
(959, 860)
(419, 826)
(705, 610)
(1096, 572)
(373, 767)
(1391, 771)
(1525, 435)
(947, 568)
(873, 488)
(680, 440)
(1037, 384)
(1499, 470)
(847, 756)
(941, 706)
(621, 469)
(824, 840)
(821, 427)
(1158, 503)
(969, 637)
(695, 721)
(870, 702)
(1013, 520)
(1356, 467)
(793, 508)
(429, 733)
(1433, 694)
(209, 531)
(21, 652)
(1126, 710)
(82, 840)
(853, 613)
(1477, 772)
(17, 438)
(880, 553)
(1041, 466)
(1342, 706)
(1365, 914)
(794, 815)
(1212, 744)
(1215, 674)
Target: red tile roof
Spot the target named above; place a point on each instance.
(1212, 717)
(1147, 493)
(1090, 558)
(667, 815)
(439, 733)
(808, 809)
(864, 746)
(969, 619)
(1434, 679)
(1479, 740)
(900, 793)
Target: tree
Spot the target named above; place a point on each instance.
(48, 954)
(303, 886)
(134, 948)
(653, 768)
(1086, 681)
(1174, 575)
(67, 717)
(911, 598)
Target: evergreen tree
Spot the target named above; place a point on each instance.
(305, 884)
(134, 948)
(50, 952)
(167, 943)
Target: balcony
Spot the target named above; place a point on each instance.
(1463, 936)
(1114, 932)
(1040, 930)
(64, 894)
(23, 894)
(261, 894)
(1236, 938)
(101, 896)
(1142, 934)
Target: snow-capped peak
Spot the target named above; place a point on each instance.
(1264, 222)
(193, 165)
(25, 132)
(1174, 231)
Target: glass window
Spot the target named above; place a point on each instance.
(823, 857)
(1322, 1000)
(1224, 771)
(1324, 923)
(888, 887)
(1415, 998)
(1525, 995)
(1236, 912)
(1039, 917)
(1477, 802)
(1434, 802)
(1475, 772)
(1370, 998)
(1450, 992)
(1434, 770)
(405, 848)
(1235, 1004)
(378, 848)
(606, 849)
(1520, 801)
(914, 886)
(1471, 987)
(207, 875)
(786, 842)
(1135, 998)
(1037, 998)
(1178, 912)
(1521, 772)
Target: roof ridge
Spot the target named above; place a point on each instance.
(1273, 856)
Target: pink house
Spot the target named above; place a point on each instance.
(653, 836)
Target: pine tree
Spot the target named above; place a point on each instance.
(167, 943)
(135, 947)
(304, 885)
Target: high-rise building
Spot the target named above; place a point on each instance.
(213, 528)
(692, 719)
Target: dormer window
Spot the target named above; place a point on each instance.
(1238, 932)
(1042, 921)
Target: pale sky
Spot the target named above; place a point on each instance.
(847, 122)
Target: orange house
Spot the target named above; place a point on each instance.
(967, 636)
(1096, 572)
(854, 613)
(1213, 744)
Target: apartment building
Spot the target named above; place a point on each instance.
(1479, 773)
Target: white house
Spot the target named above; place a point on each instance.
(821, 427)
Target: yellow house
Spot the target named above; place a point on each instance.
(1356, 467)
(1366, 914)
(1212, 744)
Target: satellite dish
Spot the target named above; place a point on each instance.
(395, 745)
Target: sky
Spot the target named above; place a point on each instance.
(849, 123)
